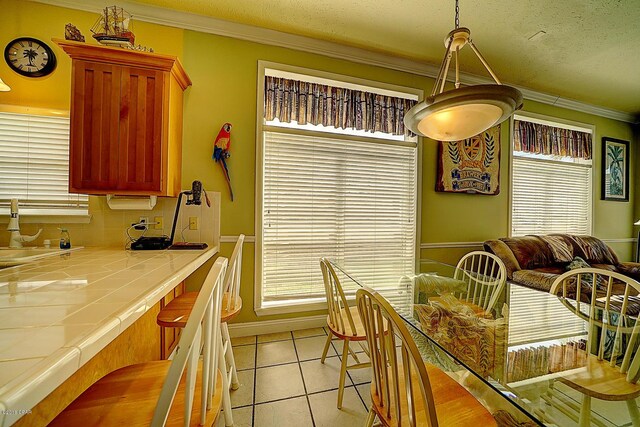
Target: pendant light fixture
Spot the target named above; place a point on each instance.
(462, 112)
(4, 87)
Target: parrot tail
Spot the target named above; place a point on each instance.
(225, 170)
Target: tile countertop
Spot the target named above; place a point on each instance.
(58, 312)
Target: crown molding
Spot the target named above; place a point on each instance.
(206, 24)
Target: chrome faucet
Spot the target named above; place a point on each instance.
(18, 239)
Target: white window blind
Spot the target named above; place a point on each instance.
(550, 197)
(538, 316)
(550, 194)
(345, 199)
(34, 165)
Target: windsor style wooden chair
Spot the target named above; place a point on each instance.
(406, 391)
(343, 322)
(485, 276)
(177, 312)
(612, 371)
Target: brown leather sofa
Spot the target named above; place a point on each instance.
(535, 261)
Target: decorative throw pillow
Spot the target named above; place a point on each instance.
(576, 263)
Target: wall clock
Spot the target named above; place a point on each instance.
(30, 57)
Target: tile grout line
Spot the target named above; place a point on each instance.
(255, 380)
(304, 384)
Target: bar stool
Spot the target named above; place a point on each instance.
(177, 312)
(157, 393)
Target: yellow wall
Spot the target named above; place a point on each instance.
(224, 74)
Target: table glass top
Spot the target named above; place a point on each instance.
(521, 352)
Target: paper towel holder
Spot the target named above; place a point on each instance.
(143, 203)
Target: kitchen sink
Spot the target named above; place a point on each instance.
(16, 256)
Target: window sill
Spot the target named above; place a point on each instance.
(44, 218)
(291, 306)
(297, 306)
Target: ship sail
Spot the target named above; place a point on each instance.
(112, 27)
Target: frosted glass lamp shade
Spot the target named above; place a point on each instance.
(4, 87)
(463, 113)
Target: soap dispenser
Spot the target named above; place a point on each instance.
(65, 240)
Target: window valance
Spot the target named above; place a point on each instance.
(305, 102)
(537, 138)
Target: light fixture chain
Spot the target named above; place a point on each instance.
(457, 22)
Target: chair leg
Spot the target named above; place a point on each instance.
(226, 397)
(228, 355)
(326, 348)
(343, 371)
(585, 411)
(633, 412)
(370, 418)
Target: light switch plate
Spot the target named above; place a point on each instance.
(193, 223)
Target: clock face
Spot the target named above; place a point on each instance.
(30, 57)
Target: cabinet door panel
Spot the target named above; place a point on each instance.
(94, 124)
(141, 136)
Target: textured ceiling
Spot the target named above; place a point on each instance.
(590, 52)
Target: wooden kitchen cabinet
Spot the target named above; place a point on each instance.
(126, 121)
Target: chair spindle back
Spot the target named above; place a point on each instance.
(234, 273)
(485, 276)
(607, 313)
(339, 313)
(395, 383)
(203, 324)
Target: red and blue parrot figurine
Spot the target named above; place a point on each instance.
(221, 152)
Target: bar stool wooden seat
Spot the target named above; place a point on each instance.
(176, 314)
(406, 391)
(162, 392)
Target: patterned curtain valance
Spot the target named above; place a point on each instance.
(542, 139)
(319, 104)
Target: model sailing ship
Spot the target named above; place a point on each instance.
(112, 28)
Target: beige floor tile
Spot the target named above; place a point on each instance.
(278, 382)
(311, 348)
(245, 356)
(365, 393)
(312, 332)
(235, 341)
(337, 344)
(277, 336)
(244, 394)
(285, 413)
(242, 417)
(274, 353)
(325, 412)
(322, 377)
(359, 376)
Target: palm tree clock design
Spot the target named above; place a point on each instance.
(30, 57)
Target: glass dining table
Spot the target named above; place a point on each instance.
(512, 347)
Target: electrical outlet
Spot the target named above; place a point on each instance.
(193, 223)
(158, 222)
(144, 219)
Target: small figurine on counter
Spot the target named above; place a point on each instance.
(71, 32)
(221, 152)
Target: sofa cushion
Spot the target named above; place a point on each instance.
(530, 251)
(502, 251)
(631, 269)
(535, 279)
(593, 250)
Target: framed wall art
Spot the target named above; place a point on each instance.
(615, 169)
(471, 165)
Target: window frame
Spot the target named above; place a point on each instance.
(305, 305)
(44, 215)
(557, 122)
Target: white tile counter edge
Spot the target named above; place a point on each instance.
(27, 390)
